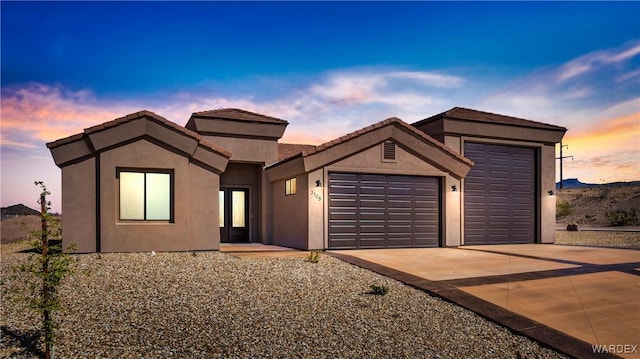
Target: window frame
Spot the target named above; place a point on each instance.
(145, 171)
(290, 190)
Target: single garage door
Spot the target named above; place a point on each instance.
(382, 211)
(499, 195)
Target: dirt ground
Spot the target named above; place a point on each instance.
(18, 228)
(589, 206)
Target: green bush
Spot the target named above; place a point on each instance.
(621, 217)
(313, 257)
(379, 289)
(563, 209)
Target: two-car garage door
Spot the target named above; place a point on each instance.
(499, 194)
(383, 211)
(386, 211)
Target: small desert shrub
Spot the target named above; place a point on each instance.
(621, 217)
(44, 271)
(563, 209)
(379, 289)
(604, 192)
(313, 257)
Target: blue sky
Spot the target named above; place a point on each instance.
(327, 67)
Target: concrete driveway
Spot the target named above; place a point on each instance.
(578, 300)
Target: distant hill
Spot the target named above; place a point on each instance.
(570, 183)
(589, 206)
(18, 210)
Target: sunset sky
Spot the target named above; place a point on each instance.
(328, 68)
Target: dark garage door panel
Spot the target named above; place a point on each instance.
(499, 196)
(381, 211)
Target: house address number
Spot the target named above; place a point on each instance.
(316, 195)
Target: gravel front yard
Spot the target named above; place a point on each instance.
(599, 239)
(214, 305)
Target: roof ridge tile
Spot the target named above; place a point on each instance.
(243, 115)
(141, 115)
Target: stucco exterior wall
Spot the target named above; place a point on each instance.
(128, 236)
(79, 206)
(229, 127)
(370, 160)
(457, 127)
(317, 217)
(203, 220)
(291, 214)
(256, 153)
(453, 201)
(452, 216)
(501, 131)
(454, 142)
(247, 149)
(266, 219)
(548, 202)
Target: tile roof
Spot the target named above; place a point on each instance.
(238, 115)
(310, 150)
(286, 150)
(482, 116)
(134, 116)
(65, 140)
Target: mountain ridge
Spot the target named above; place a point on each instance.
(18, 210)
(570, 183)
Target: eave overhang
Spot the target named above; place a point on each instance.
(143, 125)
(467, 122)
(236, 123)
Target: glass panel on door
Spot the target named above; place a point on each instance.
(234, 215)
(238, 219)
(222, 209)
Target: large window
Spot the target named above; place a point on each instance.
(146, 195)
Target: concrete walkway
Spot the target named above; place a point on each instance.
(259, 250)
(567, 297)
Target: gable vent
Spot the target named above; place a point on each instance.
(388, 151)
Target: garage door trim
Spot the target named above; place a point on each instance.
(376, 210)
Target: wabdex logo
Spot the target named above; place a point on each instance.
(615, 349)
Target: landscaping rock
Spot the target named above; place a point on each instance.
(573, 227)
(214, 305)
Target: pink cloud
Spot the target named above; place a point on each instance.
(620, 133)
(40, 113)
(608, 167)
(609, 150)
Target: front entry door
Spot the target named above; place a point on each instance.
(234, 215)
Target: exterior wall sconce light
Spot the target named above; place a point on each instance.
(318, 183)
(454, 188)
(551, 193)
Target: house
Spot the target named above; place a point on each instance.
(142, 183)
